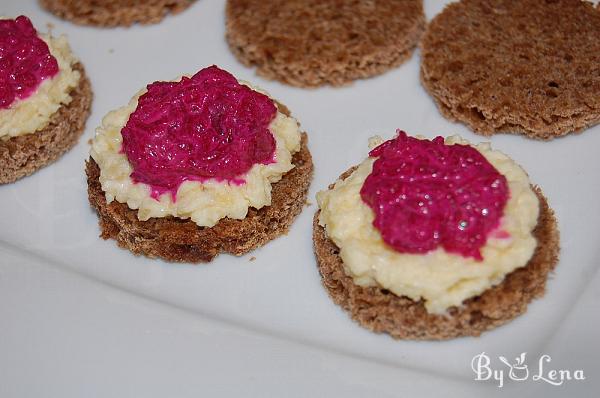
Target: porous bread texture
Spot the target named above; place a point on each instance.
(402, 318)
(22, 155)
(109, 13)
(178, 240)
(530, 66)
(309, 43)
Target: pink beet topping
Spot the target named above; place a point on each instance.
(206, 126)
(25, 60)
(427, 194)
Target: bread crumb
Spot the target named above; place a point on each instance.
(308, 203)
(252, 259)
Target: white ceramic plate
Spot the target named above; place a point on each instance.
(81, 317)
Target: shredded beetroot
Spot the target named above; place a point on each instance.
(25, 60)
(427, 194)
(206, 126)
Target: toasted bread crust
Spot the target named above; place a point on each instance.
(503, 66)
(178, 240)
(23, 155)
(383, 312)
(109, 13)
(312, 43)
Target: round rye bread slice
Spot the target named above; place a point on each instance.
(501, 66)
(309, 43)
(180, 240)
(22, 155)
(109, 13)
(381, 311)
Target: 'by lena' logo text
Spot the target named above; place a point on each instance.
(520, 371)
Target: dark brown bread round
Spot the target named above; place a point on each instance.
(309, 43)
(383, 312)
(178, 240)
(21, 156)
(527, 66)
(108, 13)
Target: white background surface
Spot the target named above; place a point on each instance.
(81, 317)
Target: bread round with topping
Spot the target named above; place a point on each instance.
(309, 43)
(381, 311)
(181, 239)
(45, 98)
(528, 67)
(434, 239)
(22, 155)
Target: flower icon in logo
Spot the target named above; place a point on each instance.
(519, 370)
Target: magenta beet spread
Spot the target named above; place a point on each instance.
(426, 194)
(206, 126)
(25, 60)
